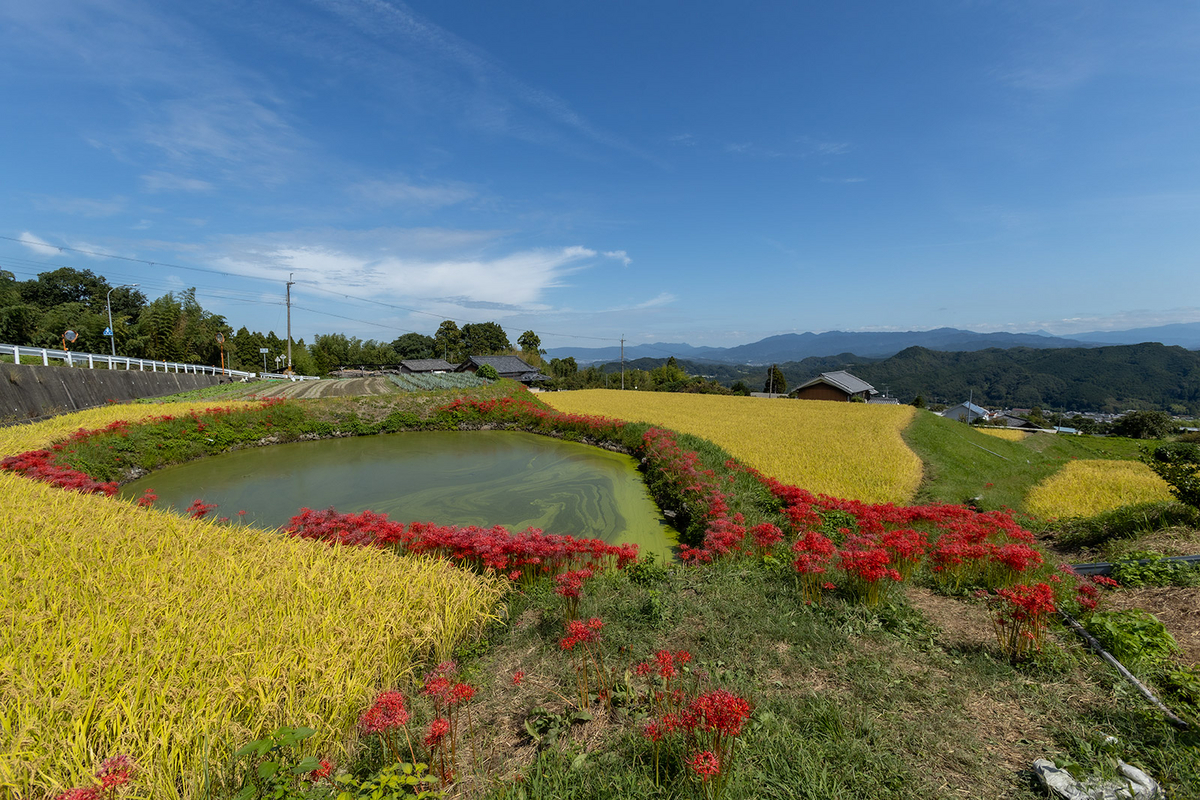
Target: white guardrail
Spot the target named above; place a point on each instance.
(94, 360)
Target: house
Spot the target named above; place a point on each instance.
(506, 367)
(966, 412)
(414, 366)
(840, 385)
(1012, 421)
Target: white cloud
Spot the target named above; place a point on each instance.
(353, 265)
(167, 182)
(843, 180)
(36, 243)
(619, 255)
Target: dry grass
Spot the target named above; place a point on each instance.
(175, 641)
(1086, 488)
(844, 449)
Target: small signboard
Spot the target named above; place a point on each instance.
(263, 350)
(107, 332)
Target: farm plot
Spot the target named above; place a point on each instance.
(1088, 487)
(848, 450)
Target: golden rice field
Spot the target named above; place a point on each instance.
(21, 438)
(849, 450)
(175, 641)
(1007, 434)
(1085, 488)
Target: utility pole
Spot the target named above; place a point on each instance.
(622, 362)
(290, 284)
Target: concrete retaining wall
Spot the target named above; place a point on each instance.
(35, 391)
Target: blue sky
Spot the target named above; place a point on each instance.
(708, 172)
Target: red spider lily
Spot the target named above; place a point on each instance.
(147, 499)
(387, 714)
(518, 678)
(115, 772)
(1019, 617)
(323, 771)
(200, 509)
(704, 764)
(721, 711)
(437, 732)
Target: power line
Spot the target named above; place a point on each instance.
(308, 284)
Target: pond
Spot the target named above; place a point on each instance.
(485, 478)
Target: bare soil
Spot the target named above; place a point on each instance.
(344, 387)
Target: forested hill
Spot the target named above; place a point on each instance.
(1148, 376)
(1099, 379)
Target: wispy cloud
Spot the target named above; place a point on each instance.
(404, 193)
(155, 182)
(82, 206)
(619, 255)
(843, 180)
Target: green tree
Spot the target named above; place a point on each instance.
(415, 345)
(448, 339)
(529, 343)
(489, 372)
(775, 382)
(1144, 425)
(918, 401)
(563, 367)
(740, 388)
(484, 339)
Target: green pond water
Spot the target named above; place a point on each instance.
(483, 478)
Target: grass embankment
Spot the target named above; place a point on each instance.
(851, 450)
(910, 700)
(172, 640)
(965, 465)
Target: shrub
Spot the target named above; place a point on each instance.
(1179, 465)
(489, 372)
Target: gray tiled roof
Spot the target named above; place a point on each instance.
(427, 365)
(505, 365)
(842, 380)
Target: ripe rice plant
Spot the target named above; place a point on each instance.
(849, 450)
(21, 438)
(1007, 434)
(128, 631)
(1089, 487)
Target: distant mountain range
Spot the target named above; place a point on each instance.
(799, 346)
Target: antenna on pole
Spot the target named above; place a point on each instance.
(290, 284)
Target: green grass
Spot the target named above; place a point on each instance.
(848, 703)
(964, 465)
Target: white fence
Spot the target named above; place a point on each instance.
(282, 376)
(33, 355)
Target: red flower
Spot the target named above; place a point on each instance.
(387, 713)
(704, 764)
(321, 772)
(518, 677)
(437, 731)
